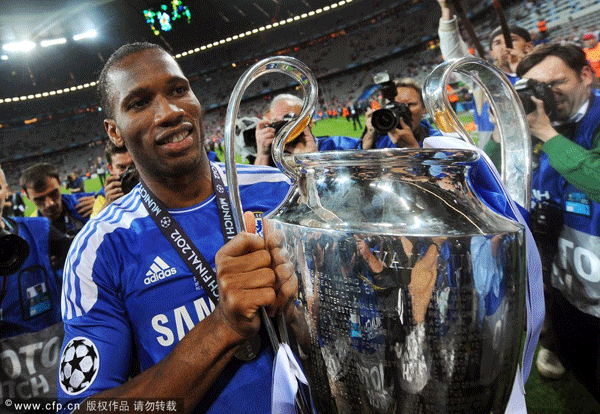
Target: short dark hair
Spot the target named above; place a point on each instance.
(571, 54)
(121, 53)
(37, 175)
(112, 149)
(518, 30)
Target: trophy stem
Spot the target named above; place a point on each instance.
(303, 75)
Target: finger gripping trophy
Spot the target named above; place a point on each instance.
(411, 289)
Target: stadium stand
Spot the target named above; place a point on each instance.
(343, 49)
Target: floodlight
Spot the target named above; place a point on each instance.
(85, 35)
(24, 46)
(52, 42)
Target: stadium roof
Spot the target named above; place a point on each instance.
(77, 61)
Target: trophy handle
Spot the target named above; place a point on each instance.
(279, 64)
(515, 139)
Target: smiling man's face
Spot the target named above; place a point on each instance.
(156, 114)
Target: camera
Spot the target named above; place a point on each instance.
(388, 117)
(129, 179)
(279, 124)
(546, 222)
(526, 88)
(14, 250)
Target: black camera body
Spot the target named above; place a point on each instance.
(526, 88)
(279, 124)
(129, 179)
(388, 117)
(546, 223)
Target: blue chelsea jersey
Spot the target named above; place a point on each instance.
(126, 291)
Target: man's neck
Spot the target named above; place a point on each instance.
(182, 192)
(582, 109)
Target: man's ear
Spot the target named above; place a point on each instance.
(587, 75)
(113, 132)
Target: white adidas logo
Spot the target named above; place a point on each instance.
(158, 271)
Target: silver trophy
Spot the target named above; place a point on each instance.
(411, 290)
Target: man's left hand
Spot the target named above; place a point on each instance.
(85, 205)
(539, 123)
(403, 138)
(305, 143)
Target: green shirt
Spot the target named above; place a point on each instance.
(579, 166)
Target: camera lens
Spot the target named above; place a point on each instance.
(384, 120)
(13, 252)
(129, 179)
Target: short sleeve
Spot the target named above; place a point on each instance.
(97, 347)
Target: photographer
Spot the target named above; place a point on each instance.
(67, 212)
(75, 183)
(410, 128)
(566, 187)
(118, 161)
(281, 109)
(452, 46)
(32, 254)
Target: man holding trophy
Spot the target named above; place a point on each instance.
(129, 291)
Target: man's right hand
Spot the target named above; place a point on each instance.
(112, 189)
(368, 138)
(246, 283)
(446, 7)
(264, 139)
(539, 122)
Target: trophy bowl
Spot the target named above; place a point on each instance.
(412, 289)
